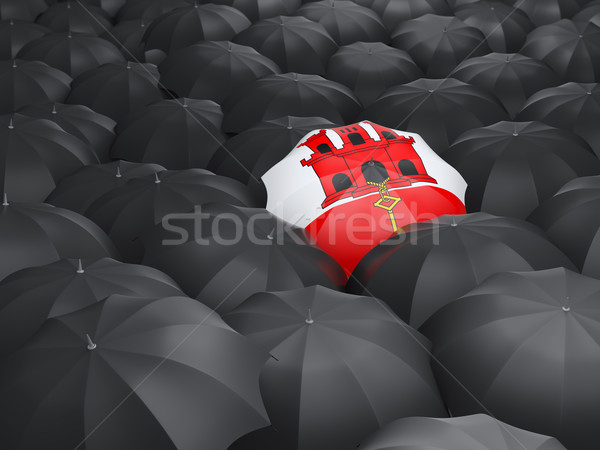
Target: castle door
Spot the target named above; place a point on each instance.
(407, 167)
(374, 171)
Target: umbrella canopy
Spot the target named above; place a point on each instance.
(22, 9)
(573, 106)
(589, 13)
(221, 254)
(548, 11)
(103, 377)
(213, 69)
(439, 110)
(116, 90)
(262, 9)
(148, 10)
(30, 296)
(435, 262)
(15, 34)
(439, 43)
(294, 94)
(511, 167)
(474, 432)
(511, 77)
(75, 17)
(534, 336)
(341, 366)
(128, 36)
(369, 68)
(110, 7)
(393, 12)
(72, 53)
(295, 43)
(571, 49)
(25, 83)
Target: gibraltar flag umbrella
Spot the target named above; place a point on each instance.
(354, 186)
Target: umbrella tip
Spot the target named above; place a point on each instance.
(129, 64)
(185, 104)
(118, 174)
(229, 47)
(14, 64)
(156, 178)
(70, 35)
(567, 306)
(80, 266)
(445, 29)
(10, 123)
(5, 199)
(271, 235)
(453, 224)
(91, 345)
(309, 320)
(54, 108)
(589, 92)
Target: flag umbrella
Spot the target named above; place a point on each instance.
(221, 254)
(22, 9)
(75, 17)
(30, 296)
(341, 366)
(439, 43)
(474, 432)
(262, 9)
(103, 377)
(25, 83)
(295, 43)
(435, 262)
(14, 34)
(213, 69)
(127, 37)
(571, 49)
(549, 11)
(438, 110)
(511, 77)
(369, 68)
(589, 13)
(534, 336)
(148, 9)
(512, 167)
(393, 13)
(73, 53)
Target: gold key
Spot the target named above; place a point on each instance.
(386, 201)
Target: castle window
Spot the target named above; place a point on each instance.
(374, 171)
(388, 135)
(341, 182)
(324, 148)
(406, 167)
(356, 138)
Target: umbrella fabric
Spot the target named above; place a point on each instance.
(293, 94)
(438, 110)
(435, 262)
(548, 11)
(22, 9)
(262, 9)
(439, 43)
(221, 254)
(115, 90)
(571, 49)
(511, 77)
(511, 167)
(127, 37)
(474, 432)
(117, 390)
(213, 69)
(393, 12)
(75, 17)
(25, 83)
(148, 10)
(111, 7)
(296, 44)
(534, 337)
(589, 13)
(573, 106)
(30, 296)
(73, 53)
(341, 366)
(14, 34)
(369, 68)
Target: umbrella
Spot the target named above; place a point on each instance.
(70, 52)
(439, 43)
(293, 94)
(127, 37)
(341, 365)
(35, 155)
(573, 106)
(75, 17)
(512, 77)
(534, 336)
(78, 191)
(393, 12)
(92, 128)
(439, 110)
(110, 7)
(30, 296)
(148, 10)
(571, 49)
(262, 9)
(589, 13)
(435, 262)
(370, 68)
(474, 432)
(178, 134)
(103, 377)
(15, 34)
(21, 9)
(511, 167)
(25, 83)
(548, 11)
(116, 90)
(345, 21)
(295, 43)
(221, 254)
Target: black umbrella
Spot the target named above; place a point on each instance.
(70, 52)
(116, 90)
(573, 106)
(571, 49)
(393, 12)
(221, 254)
(439, 110)
(148, 10)
(30, 296)
(341, 366)
(111, 7)
(589, 13)
(22, 9)
(439, 43)
(293, 94)
(548, 11)
(25, 83)
(433, 263)
(475, 432)
(15, 34)
(75, 17)
(127, 36)
(132, 372)
(511, 167)
(369, 68)
(534, 337)
(262, 9)
(512, 77)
